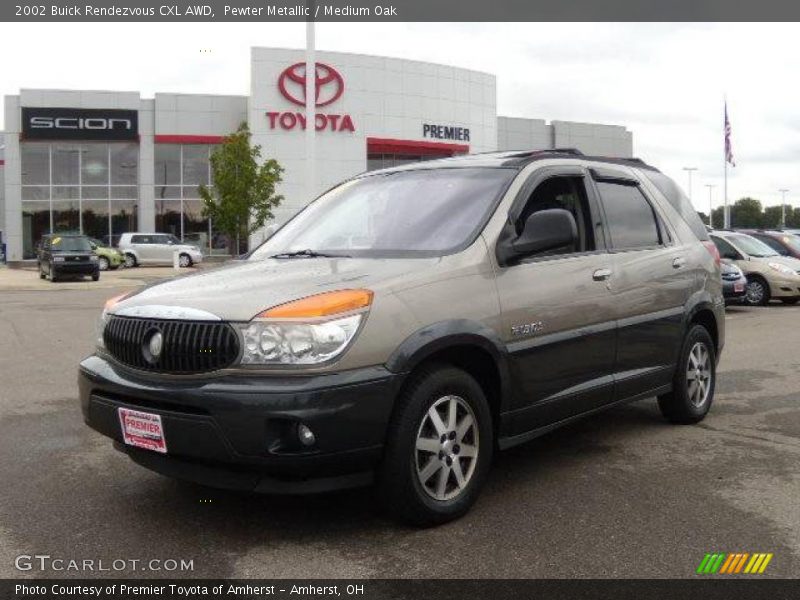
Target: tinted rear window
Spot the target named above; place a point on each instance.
(681, 204)
(631, 220)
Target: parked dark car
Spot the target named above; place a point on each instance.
(783, 242)
(67, 255)
(734, 283)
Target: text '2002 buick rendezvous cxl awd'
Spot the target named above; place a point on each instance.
(410, 322)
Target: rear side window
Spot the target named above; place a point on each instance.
(725, 249)
(140, 239)
(681, 204)
(631, 220)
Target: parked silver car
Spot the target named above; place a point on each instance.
(411, 322)
(157, 248)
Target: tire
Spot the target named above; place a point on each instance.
(130, 261)
(184, 261)
(686, 403)
(103, 264)
(52, 274)
(790, 300)
(415, 458)
(756, 291)
(96, 276)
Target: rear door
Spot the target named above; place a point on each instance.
(557, 314)
(652, 281)
(143, 246)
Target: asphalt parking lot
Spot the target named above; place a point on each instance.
(622, 494)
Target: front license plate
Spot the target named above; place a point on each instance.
(143, 430)
(738, 287)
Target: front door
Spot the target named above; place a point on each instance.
(557, 314)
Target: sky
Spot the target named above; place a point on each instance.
(664, 82)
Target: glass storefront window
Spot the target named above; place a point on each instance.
(35, 163)
(179, 170)
(75, 187)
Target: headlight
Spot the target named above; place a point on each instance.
(58, 259)
(781, 268)
(297, 343)
(307, 331)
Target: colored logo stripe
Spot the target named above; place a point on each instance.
(734, 563)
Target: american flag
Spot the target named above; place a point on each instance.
(728, 147)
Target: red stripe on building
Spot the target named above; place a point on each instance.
(414, 147)
(189, 139)
(2, 162)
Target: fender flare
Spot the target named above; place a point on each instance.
(442, 335)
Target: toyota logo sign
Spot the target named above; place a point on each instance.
(328, 84)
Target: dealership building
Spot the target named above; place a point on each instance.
(108, 162)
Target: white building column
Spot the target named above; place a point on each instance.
(147, 203)
(12, 235)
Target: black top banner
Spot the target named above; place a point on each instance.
(399, 10)
(80, 124)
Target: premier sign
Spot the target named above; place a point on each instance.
(445, 132)
(87, 124)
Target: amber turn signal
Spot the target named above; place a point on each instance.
(320, 305)
(112, 301)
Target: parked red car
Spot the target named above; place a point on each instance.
(783, 242)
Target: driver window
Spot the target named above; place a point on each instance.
(567, 193)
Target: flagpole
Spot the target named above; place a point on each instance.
(726, 219)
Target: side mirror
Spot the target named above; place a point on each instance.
(544, 230)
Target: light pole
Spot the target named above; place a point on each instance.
(783, 208)
(710, 187)
(689, 171)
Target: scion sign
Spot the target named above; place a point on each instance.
(80, 124)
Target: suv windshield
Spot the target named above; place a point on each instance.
(425, 212)
(70, 244)
(750, 245)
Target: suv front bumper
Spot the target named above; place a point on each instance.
(239, 431)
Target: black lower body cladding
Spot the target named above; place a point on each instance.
(241, 431)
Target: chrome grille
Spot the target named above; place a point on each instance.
(187, 346)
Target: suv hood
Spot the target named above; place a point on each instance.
(239, 291)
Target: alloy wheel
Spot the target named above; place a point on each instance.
(755, 292)
(184, 261)
(446, 450)
(698, 374)
(103, 263)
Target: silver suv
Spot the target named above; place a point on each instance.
(156, 248)
(411, 322)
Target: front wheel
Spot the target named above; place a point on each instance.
(694, 380)
(757, 291)
(439, 448)
(184, 260)
(130, 261)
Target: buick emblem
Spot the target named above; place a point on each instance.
(153, 345)
(328, 84)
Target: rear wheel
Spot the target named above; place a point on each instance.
(694, 380)
(790, 300)
(439, 448)
(130, 261)
(757, 291)
(95, 276)
(184, 260)
(103, 263)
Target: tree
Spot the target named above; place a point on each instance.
(243, 193)
(772, 217)
(746, 212)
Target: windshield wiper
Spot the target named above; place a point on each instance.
(308, 253)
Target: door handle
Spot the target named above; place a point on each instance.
(601, 274)
(678, 262)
